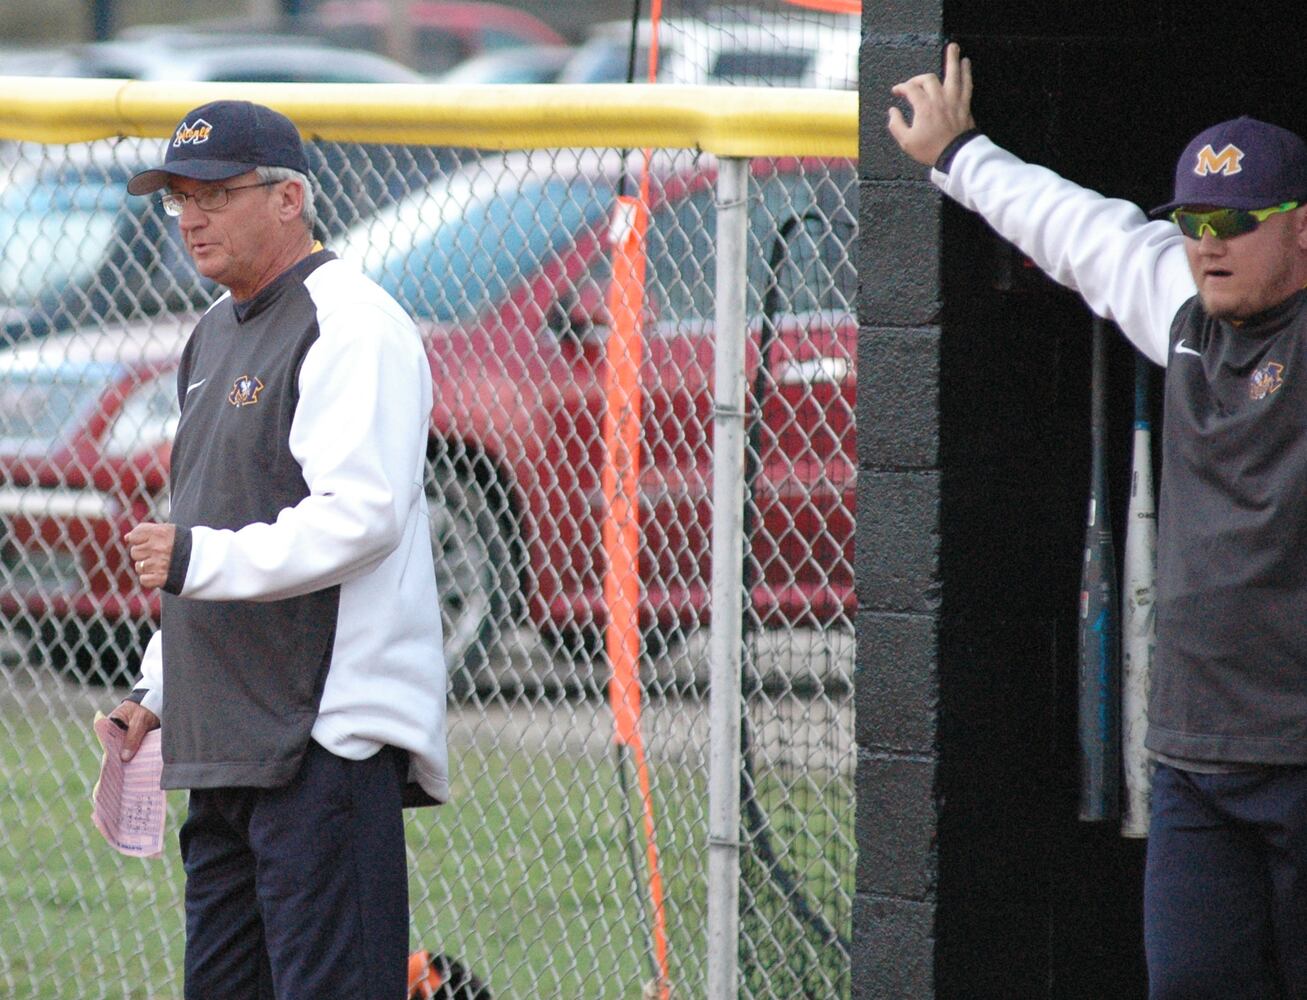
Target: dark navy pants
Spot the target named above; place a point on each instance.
(1225, 890)
(299, 892)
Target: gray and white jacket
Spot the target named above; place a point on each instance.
(1229, 680)
(301, 598)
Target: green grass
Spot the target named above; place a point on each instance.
(67, 901)
(525, 877)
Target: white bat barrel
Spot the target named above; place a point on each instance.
(1139, 616)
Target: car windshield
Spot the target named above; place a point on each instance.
(55, 230)
(41, 406)
(453, 253)
(147, 419)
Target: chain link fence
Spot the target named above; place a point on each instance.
(533, 876)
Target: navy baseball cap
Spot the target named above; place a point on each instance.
(226, 139)
(1244, 163)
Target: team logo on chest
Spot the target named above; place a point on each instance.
(245, 391)
(1265, 380)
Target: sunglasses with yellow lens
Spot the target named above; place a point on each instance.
(1224, 223)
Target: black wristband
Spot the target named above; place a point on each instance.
(951, 150)
(181, 561)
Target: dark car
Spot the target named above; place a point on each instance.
(75, 249)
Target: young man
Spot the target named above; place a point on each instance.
(1215, 292)
(298, 673)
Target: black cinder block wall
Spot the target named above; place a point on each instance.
(974, 877)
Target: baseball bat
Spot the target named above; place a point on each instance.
(1138, 615)
(1100, 648)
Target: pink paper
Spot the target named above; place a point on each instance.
(128, 806)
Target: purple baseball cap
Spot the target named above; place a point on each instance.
(1244, 163)
(226, 139)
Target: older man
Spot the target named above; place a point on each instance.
(1215, 292)
(298, 673)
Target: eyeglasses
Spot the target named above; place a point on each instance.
(209, 199)
(1225, 223)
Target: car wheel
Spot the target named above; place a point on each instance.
(90, 652)
(476, 578)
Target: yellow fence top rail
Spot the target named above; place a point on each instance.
(728, 121)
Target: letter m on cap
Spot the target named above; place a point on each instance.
(1225, 162)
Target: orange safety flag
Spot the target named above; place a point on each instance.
(621, 530)
(621, 486)
(621, 474)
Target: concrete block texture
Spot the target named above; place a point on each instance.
(895, 825)
(902, 17)
(898, 398)
(897, 700)
(893, 949)
(897, 558)
(898, 254)
(884, 60)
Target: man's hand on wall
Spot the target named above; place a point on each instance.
(941, 110)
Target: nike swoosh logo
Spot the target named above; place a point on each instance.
(1181, 349)
(196, 385)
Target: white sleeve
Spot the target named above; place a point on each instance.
(152, 674)
(359, 435)
(1127, 269)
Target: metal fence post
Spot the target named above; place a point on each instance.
(727, 581)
